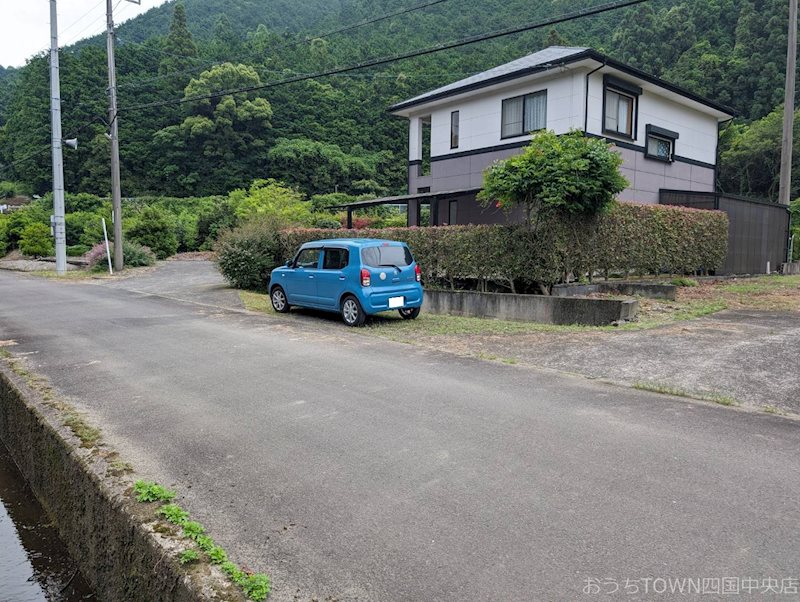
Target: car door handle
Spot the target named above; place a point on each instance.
(311, 277)
(341, 277)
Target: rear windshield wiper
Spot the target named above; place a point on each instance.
(391, 265)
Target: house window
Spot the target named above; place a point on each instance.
(660, 144)
(524, 114)
(454, 129)
(453, 217)
(620, 100)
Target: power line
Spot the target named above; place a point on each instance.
(308, 39)
(77, 37)
(82, 17)
(399, 57)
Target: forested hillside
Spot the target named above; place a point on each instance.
(333, 133)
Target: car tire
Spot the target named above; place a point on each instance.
(352, 312)
(279, 301)
(409, 313)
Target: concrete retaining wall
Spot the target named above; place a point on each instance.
(650, 290)
(104, 529)
(530, 308)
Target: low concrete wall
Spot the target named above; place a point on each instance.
(105, 531)
(650, 290)
(791, 268)
(530, 308)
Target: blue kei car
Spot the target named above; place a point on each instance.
(356, 277)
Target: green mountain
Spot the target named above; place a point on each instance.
(333, 133)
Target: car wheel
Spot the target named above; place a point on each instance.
(352, 314)
(409, 313)
(279, 301)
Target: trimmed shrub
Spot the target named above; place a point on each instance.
(78, 250)
(135, 255)
(3, 234)
(247, 255)
(36, 240)
(155, 229)
(629, 237)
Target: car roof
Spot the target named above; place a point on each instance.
(351, 242)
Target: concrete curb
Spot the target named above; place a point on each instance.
(109, 535)
(531, 308)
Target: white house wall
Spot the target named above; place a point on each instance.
(698, 131)
(480, 116)
(480, 142)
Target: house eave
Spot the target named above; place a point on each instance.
(720, 111)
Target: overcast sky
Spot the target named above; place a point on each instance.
(25, 24)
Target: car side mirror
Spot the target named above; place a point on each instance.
(288, 263)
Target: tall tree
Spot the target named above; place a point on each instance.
(179, 52)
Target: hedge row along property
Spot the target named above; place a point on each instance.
(628, 238)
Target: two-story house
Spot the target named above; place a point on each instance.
(667, 136)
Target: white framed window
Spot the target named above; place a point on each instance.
(620, 107)
(620, 113)
(454, 127)
(660, 144)
(524, 114)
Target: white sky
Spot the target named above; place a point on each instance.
(25, 24)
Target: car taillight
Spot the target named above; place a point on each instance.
(418, 272)
(365, 279)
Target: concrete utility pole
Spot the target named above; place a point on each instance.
(116, 192)
(785, 190)
(59, 228)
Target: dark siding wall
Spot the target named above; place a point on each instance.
(758, 231)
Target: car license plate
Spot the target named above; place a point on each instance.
(395, 302)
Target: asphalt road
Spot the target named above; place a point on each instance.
(351, 468)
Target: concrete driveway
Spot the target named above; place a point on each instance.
(353, 468)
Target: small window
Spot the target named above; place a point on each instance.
(453, 217)
(454, 129)
(423, 189)
(335, 259)
(660, 144)
(524, 114)
(659, 148)
(307, 258)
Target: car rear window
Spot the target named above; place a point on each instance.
(386, 256)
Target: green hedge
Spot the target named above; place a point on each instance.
(628, 238)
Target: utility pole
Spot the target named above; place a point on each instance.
(785, 190)
(116, 192)
(59, 228)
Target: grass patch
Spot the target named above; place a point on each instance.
(70, 275)
(724, 400)
(256, 586)
(118, 467)
(257, 302)
(683, 281)
(188, 556)
(88, 435)
(147, 492)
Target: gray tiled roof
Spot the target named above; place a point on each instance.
(537, 59)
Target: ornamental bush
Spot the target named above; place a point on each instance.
(36, 240)
(155, 228)
(248, 254)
